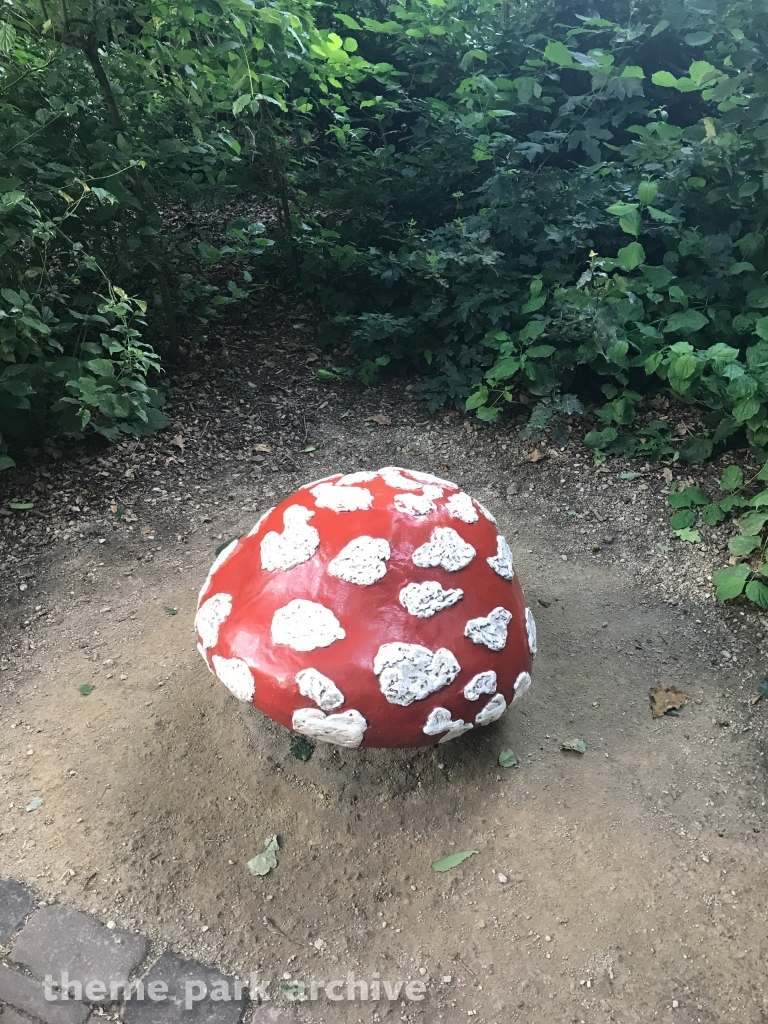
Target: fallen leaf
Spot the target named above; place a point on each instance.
(667, 474)
(271, 926)
(536, 455)
(320, 944)
(663, 701)
(301, 748)
(630, 476)
(381, 419)
(21, 506)
(543, 603)
(113, 508)
(85, 689)
(507, 759)
(262, 448)
(146, 530)
(34, 803)
(579, 746)
(224, 544)
(452, 860)
(512, 489)
(179, 442)
(263, 862)
(169, 610)
(310, 448)
(763, 688)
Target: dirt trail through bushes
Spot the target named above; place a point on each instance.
(625, 884)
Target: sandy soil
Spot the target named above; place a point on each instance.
(635, 874)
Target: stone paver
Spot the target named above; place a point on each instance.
(60, 939)
(9, 1016)
(28, 995)
(272, 1015)
(15, 903)
(189, 984)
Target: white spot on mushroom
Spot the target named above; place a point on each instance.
(319, 688)
(204, 656)
(483, 682)
(444, 548)
(426, 599)
(305, 625)
(236, 676)
(296, 544)
(440, 720)
(490, 630)
(342, 499)
(414, 504)
(346, 728)
(488, 515)
(530, 628)
(427, 478)
(259, 524)
(461, 506)
(220, 559)
(522, 683)
(363, 477)
(409, 672)
(494, 709)
(502, 561)
(361, 561)
(210, 615)
(393, 477)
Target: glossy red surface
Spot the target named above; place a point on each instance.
(371, 615)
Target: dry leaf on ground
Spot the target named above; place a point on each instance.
(262, 448)
(536, 455)
(179, 441)
(381, 419)
(663, 701)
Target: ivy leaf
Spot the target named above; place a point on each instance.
(751, 523)
(631, 255)
(631, 222)
(757, 592)
(686, 322)
(730, 581)
(732, 478)
(647, 191)
(558, 53)
(698, 449)
(740, 546)
(689, 536)
(712, 515)
(452, 860)
(264, 862)
(683, 519)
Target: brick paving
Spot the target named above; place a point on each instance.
(55, 946)
(15, 903)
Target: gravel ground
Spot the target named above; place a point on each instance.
(634, 874)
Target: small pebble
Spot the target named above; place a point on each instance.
(422, 970)
(675, 1004)
(503, 878)
(110, 924)
(446, 979)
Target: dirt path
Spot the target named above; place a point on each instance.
(635, 874)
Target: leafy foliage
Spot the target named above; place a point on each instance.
(748, 548)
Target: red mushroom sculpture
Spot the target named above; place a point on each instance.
(376, 609)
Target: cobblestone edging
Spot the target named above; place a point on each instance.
(47, 945)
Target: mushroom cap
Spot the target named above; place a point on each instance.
(376, 609)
